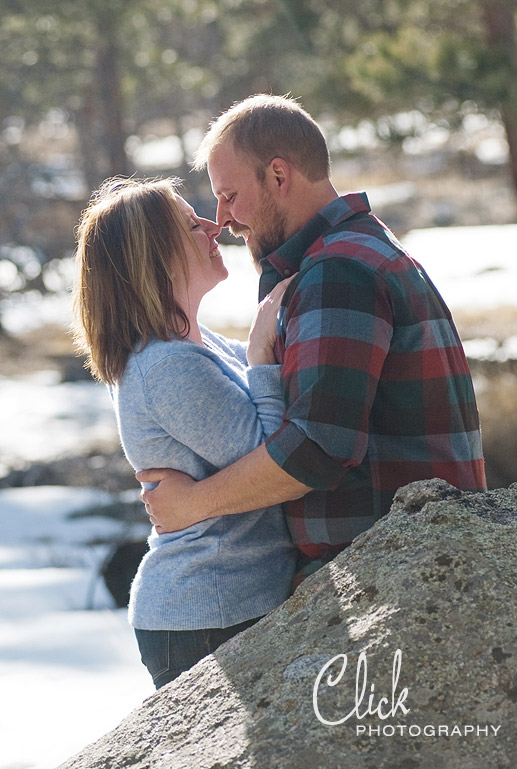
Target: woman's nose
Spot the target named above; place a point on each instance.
(212, 229)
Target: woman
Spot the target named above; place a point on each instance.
(184, 398)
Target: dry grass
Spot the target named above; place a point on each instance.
(497, 403)
(35, 350)
(498, 324)
(460, 189)
(496, 392)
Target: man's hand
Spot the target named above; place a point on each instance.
(253, 482)
(168, 504)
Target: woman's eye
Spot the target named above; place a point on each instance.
(195, 225)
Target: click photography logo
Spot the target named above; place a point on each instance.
(361, 699)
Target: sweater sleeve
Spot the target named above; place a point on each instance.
(267, 394)
(236, 346)
(209, 412)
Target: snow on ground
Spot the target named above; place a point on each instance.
(42, 418)
(472, 267)
(69, 664)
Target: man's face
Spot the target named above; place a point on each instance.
(244, 204)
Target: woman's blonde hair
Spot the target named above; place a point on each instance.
(130, 245)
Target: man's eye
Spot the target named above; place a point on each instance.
(231, 198)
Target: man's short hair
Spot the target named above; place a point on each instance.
(264, 127)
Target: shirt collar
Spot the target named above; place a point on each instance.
(287, 259)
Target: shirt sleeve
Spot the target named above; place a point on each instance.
(338, 327)
(191, 398)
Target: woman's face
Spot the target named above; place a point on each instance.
(206, 268)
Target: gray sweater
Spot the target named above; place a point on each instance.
(197, 409)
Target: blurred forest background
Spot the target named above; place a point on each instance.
(416, 97)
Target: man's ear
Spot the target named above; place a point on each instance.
(279, 174)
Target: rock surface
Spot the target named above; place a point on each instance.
(436, 579)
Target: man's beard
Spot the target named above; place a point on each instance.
(273, 235)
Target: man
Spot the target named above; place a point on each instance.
(377, 387)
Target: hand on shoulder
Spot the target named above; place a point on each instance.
(262, 334)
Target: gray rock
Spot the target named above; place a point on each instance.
(435, 579)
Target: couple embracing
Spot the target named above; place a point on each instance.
(261, 462)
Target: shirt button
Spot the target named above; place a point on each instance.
(287, 273)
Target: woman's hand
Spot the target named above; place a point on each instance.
(263, 326)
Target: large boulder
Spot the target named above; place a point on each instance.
(422, 605)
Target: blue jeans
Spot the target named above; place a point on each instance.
(167, 653)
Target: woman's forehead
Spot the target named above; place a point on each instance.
(184, 207)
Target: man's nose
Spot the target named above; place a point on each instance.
(223, 217)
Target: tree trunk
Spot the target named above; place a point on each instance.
(500, 19)
(510, 125)
(110, 96)
(87, 129)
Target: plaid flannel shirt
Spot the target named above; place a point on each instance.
(377, 388)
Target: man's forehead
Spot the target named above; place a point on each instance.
(226, 167)
(221, 158)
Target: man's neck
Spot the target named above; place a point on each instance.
(307, 200)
